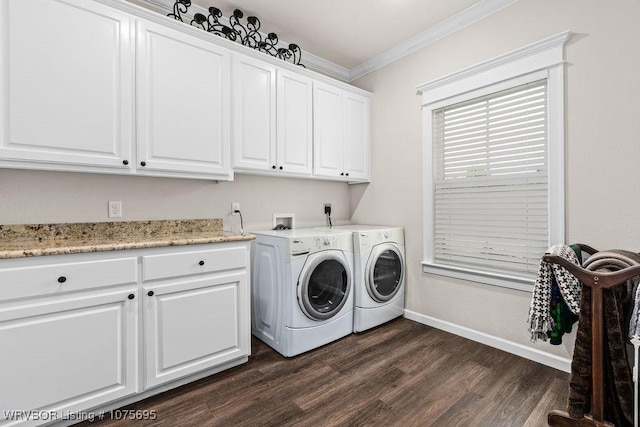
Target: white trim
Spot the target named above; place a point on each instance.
(152, 14)
(444, 28)
(537, 56)
(544, 58)
(511, 282)
(539, 356)
(450, 25)
(310, 60)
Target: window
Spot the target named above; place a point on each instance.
(494, 199)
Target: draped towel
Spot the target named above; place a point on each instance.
(618, 385)
(540, 319)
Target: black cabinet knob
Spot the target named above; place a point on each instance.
(150, 293)
(143, 163)
(342, 174)
(280, 167)
(125, 162)
(131, 296)
(201, 263)
(347, 174)
(62, 279)
(273, 167)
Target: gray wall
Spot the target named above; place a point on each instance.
(602, 150)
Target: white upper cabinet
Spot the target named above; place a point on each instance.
(107, 87)
(341, 134)
(272, 118)
(254, 114)
(183, 103)
(357, 136)
(66, 85)
(327, 131)
(295, 123)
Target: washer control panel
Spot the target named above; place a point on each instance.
(305, 245)
(299, 246)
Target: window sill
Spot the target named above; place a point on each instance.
(495, 279)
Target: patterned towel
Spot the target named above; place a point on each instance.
(540, 319)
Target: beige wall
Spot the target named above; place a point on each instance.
(602, 150)
(49, 197)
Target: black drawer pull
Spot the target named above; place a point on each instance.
(201, 263)
(62, 279)
(125, 162)
(150, 293)
(131, 296)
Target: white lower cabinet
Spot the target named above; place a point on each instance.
(193, 325)
(72, 341)
(69, 338)
(196, 310)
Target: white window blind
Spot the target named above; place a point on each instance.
(491, 182)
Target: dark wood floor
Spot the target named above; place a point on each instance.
(402, 373)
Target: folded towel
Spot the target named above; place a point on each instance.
(540, 319)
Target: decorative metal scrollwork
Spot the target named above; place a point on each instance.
(247, 34)
(179, 7)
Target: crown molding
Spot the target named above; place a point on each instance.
(310, 60)
(448, 26)
(547, 53)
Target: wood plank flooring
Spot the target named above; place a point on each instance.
(399, 374)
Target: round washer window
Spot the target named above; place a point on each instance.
(324, 290)
(385, 273)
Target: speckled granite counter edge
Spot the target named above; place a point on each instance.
(30, 240)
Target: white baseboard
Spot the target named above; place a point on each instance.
(557, 362)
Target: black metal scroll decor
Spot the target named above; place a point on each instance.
(247, 34)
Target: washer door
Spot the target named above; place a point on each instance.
(384, 272)
(324, 285)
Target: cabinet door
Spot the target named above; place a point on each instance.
(194, 325)
(254, 114)
(68, 354)
(356, 136)
(183, 99)
(295, 123)
(328, 131)
(66, 84)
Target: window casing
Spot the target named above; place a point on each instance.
(494, 166)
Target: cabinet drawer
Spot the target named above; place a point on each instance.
(50, 279)
(196, 262)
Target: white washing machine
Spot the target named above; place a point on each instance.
(379, 273)
(301, 288)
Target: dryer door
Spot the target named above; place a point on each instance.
(324, 284)
(384, 272)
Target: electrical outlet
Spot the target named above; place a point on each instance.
(327, 208)
(235, 206)
(115, 209)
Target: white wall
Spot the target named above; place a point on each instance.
(602, 152)
(28, 197)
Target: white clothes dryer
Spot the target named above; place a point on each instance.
(301, 288)
(379, 263)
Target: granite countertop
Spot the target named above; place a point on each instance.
(26, 240)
